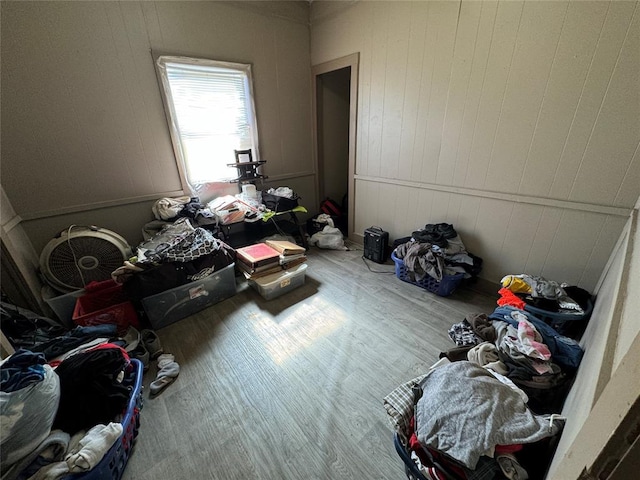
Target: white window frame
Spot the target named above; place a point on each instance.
(192, 185)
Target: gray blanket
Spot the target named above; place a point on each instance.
(465, 412)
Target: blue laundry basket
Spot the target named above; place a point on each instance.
(112, 465)
(443, 288)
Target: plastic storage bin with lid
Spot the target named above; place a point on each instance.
(185, 300)
(274, 285)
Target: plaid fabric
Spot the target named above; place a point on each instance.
(399, 406)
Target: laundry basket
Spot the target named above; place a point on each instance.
(410, 467)
(567, 324)
(112, 465)
(443, 288)
(435, 467)
(105, 302)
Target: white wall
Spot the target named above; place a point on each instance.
(84, 135)
(518, 122)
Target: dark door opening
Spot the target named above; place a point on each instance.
(335, 87)
(333, 137)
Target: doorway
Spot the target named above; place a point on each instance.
(335, 85)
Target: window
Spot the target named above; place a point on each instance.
(211, 114)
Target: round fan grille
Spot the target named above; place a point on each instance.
(81, 256)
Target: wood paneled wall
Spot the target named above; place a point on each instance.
(608, 382)
(518, 122)
(84, 134)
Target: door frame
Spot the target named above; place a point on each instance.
(14, 284)
(352, 61)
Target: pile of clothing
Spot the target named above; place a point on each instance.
(492, 400)
(65, 392)
(463, 421)
(521, 290)
(63, 419)
(24, 328)
(178, 254)
(436, 250)
(521, 347)
(171, 209)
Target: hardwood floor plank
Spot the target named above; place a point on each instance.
(292, 388)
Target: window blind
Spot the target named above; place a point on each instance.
(213, 112)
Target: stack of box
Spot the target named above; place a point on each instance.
(290, 253)
(258, 260)
(274, 267)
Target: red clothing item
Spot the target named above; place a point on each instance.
(503, 449)
(507, 297)
(54, 363)
(110, 345)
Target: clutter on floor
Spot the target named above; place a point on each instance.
(78, 382)
(258, 212)
(168, 370)
(329, 237)
(274, 267)
(435, 258)
(70, 399)
(269, 257)
(489, 408)
(70, 409)
(257, 260)
(277, 284)
(71, 394)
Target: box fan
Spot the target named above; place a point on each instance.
(80, 255)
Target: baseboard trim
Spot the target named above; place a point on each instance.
(484, 286)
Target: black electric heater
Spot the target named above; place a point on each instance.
(375, 244)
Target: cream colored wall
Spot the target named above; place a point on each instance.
(629, 326)
(518, 122)
(84, 135)
(608, 380)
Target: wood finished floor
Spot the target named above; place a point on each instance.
(292, 388)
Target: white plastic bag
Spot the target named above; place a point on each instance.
(324, 218)
(169, 208)
(26, 417)
(329, 238)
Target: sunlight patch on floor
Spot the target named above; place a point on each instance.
(307, 323)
